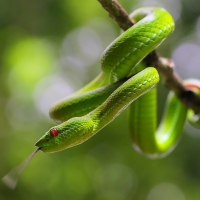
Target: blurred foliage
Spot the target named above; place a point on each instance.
(48, 50)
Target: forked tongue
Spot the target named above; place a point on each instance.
(12, 177)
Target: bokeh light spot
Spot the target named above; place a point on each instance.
(30, 59)
(166, 191)
(186, 57)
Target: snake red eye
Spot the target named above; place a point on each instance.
(54, 132)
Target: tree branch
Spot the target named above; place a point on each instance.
(117, 13)
(163, 65)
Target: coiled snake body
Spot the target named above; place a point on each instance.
(98, 103)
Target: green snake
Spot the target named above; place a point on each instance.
(120, 85)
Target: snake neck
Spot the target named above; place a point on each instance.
(123, 96)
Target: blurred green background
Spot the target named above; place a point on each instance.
(49, 49)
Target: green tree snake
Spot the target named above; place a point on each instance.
(102, 100)
(122, 84)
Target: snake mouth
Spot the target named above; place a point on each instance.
(42, 143)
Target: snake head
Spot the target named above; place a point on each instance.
(68, 134)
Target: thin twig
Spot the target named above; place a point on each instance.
(163, 65)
